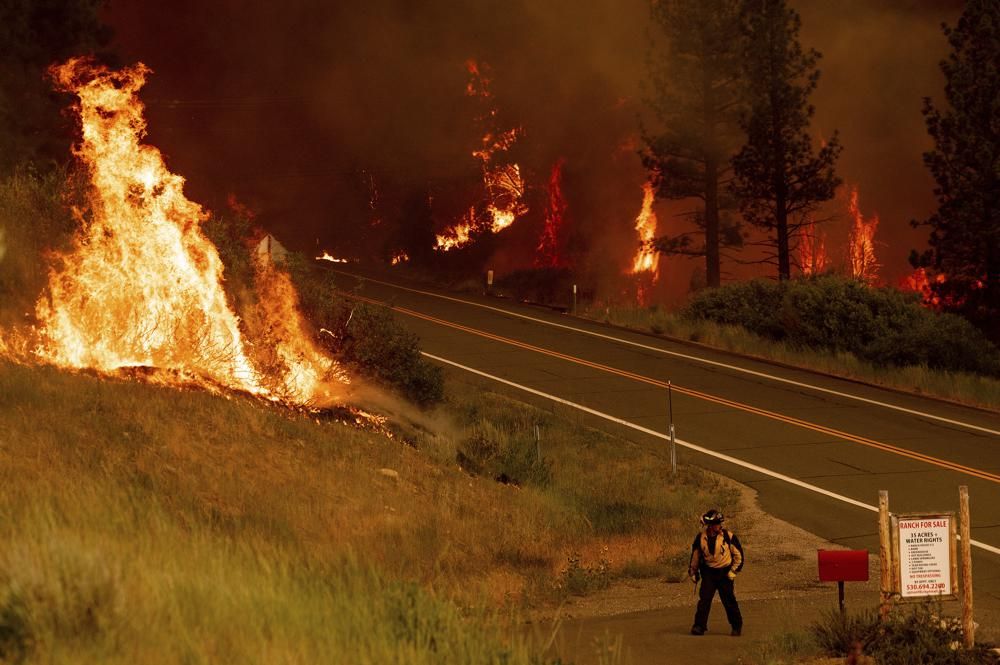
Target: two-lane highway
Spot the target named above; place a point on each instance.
(818, 449)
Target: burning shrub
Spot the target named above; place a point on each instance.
(880, 325)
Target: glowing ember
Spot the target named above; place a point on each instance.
(864, 265)
(813, 259)
(143, 285)
(399, 257)
(548, 254)
(327, 257)
(504, 187)
(646, 258)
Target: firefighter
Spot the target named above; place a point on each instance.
(716, 559)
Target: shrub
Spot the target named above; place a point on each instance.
(917, 636)
(375, 344)
(34, 219)
(508, 459)
(880, 325)
(580, 580)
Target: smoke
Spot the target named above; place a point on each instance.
(3, 244)
(879, 61)
(310, 111)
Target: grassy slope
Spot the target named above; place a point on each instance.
(142, 524)
(956, 386)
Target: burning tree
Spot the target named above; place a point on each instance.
(812, 257)
(502, 181)
(965, 162)
(696, 96)
(549, 251)
(778, 180)
(861, 243)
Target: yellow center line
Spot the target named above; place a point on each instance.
(945, 464)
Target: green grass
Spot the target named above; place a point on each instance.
(150, 525)
(960, 387)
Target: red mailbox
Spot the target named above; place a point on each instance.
(843, 565)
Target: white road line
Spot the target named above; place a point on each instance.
(647, 347)
(686, 444)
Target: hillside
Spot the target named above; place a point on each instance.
(152, 525)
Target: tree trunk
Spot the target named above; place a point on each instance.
(712, 267)
(781, 230)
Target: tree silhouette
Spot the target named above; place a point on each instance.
(35, 34)
(694, 92)
(779, 179)
(965, 162)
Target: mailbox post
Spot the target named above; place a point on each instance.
(842, 566)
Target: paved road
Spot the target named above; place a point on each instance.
(790, 434)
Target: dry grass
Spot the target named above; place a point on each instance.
(142, 524)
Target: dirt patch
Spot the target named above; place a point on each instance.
(780, 564)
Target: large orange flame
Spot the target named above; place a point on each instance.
(646, 263)
(864, 264)
(646, 258)
(142, 285)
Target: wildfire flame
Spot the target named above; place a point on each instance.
(864, 264)
(646, 263)
(327, 257)
(548, 254)
(813, 259)
(646, 258)
(142, 286)
(458, 235)
(503, 184)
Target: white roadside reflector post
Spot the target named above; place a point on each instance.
(673, 442)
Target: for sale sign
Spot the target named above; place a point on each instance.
(925, 552)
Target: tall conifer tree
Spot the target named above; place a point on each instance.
(695, 94)
(965, 162)
(779, 179)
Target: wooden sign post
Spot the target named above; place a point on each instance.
(884, 555)
(919, 558)
(968, 626)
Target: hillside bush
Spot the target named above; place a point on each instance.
(880, 325)
(366, 337)
(34, 219)
(918, 636)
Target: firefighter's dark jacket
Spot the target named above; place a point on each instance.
(721, 551)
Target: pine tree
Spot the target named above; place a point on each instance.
(695, 94)
(779, 179)
(965, 162)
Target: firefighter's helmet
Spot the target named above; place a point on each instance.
(713, 516)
